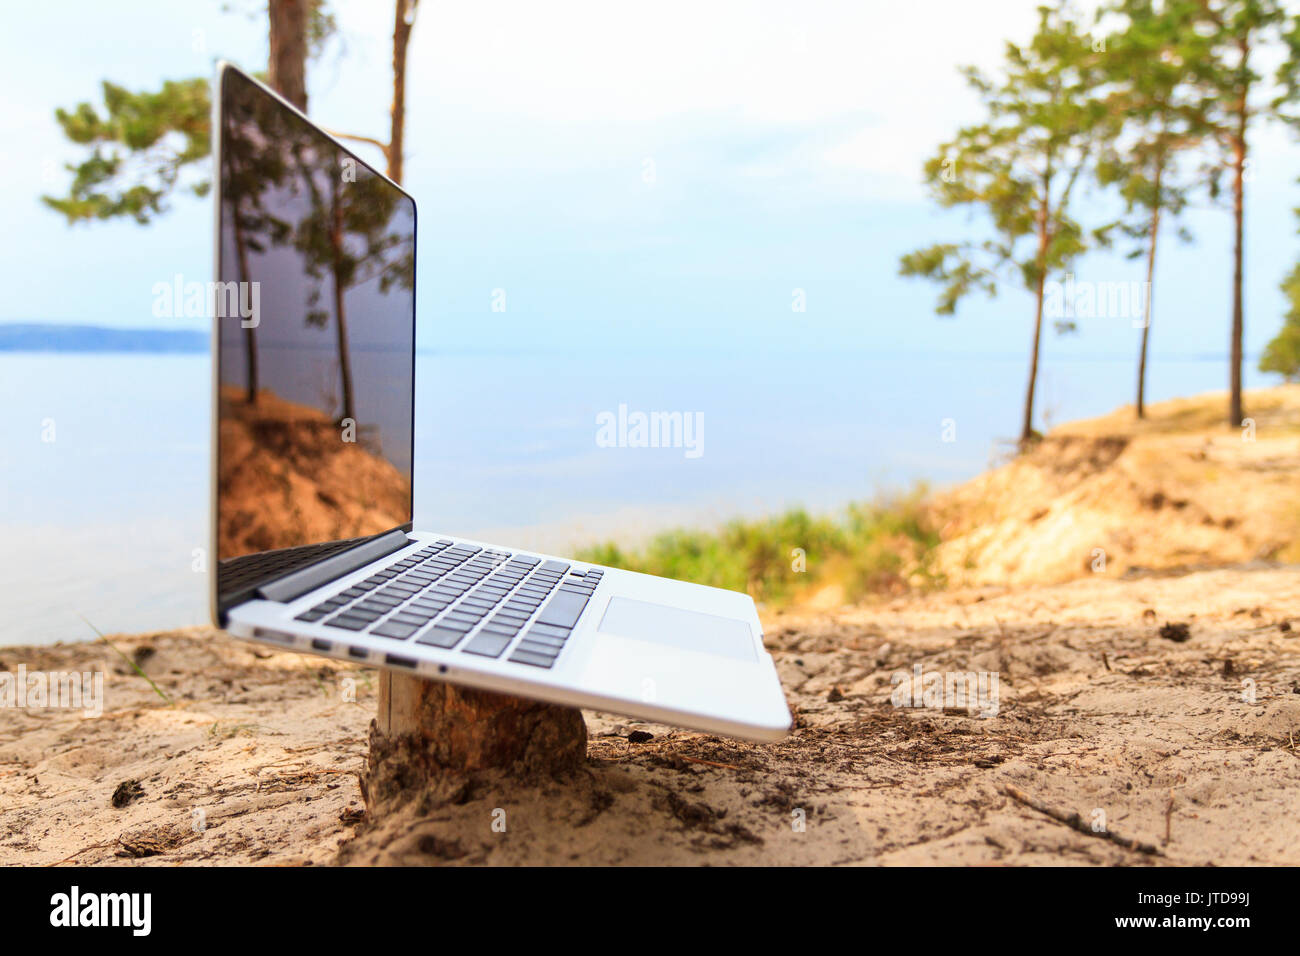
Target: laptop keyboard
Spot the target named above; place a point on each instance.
(481, 601)
(237, 573)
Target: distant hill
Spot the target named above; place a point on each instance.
(39, 337)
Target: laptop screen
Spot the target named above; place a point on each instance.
(315, 317)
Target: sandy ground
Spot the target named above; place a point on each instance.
(257, 758)
(1177, 491)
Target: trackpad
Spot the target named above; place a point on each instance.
(675, 627)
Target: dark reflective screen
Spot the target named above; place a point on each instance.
(315, 345)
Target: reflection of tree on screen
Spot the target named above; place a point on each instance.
(251, 167)
(349, 237)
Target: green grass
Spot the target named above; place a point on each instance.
(879, 547)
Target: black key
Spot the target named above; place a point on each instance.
(563, 610)
(385, 600)
(368, 615)
(537, 647)
(452, 624)
(395, 629)
(353, 592)
(528, 657)
(381, 607)
(550, 630)
(374, 580)
(552, 644)
(489, 645)
(502, 627)
(310, 616)
(520, 614)
(440, 637)
(468, 614)
(350, 623)
(417, 619)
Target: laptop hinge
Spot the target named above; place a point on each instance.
(298, 583)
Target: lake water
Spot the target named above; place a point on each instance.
(103, 489)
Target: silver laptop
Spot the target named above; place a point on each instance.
(313, 412)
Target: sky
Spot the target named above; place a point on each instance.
(630, 177)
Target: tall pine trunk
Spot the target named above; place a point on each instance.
(1235, 411)
(340, 315)
(403, 21)
(1151, 286)
(1027, 427)
(287, 72)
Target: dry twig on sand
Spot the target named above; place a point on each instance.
(1076, 822)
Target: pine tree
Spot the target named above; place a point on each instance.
(1156, 114)
(1020, 166)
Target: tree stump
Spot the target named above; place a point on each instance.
(431, 739)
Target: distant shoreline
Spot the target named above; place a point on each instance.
(39, 337)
